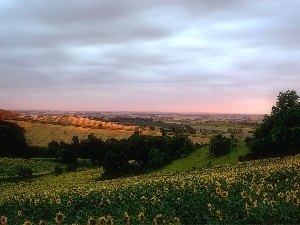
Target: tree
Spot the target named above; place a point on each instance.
(279, 133)
(220, 145)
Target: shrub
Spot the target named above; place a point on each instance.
(220, 145)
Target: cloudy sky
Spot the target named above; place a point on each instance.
(227, 56)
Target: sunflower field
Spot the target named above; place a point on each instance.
(254, 192)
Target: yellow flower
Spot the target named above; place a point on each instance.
(27, 223)
(102, 220)
(270, 186)
(126, 218)
(60, 218)
(224, 194)
(143, 199)
(3, 220)
(92, 221)
(244, 194)
(153, 200)
(110, 220)
(159, 219)
(280, 195)
(176, 220)
(58, 201)
(209, 206)
(19, 213)
(141, 217)
(218, 190)
(219, 215)
(41, 222)
(296, 185)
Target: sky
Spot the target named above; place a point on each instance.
(225, 56)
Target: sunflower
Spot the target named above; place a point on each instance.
(244, 194)
(270, 187)
(176, 220)
(102, 220)
(219, 215)
(19, 213)
(58, 201)
(143, 199)
(126, 218)
(224, 194)
(42, 222)
(141, 217)
(218, 190)
(92, 221)
(110, 220)
(3, 220)
(159, 219)
(60, 218)
(280, 195)
(27, 223)
(153, 200)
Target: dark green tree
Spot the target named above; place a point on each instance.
(220, 145)
(279, 133)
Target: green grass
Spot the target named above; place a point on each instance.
(199, 159)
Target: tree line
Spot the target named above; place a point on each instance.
(135, 155)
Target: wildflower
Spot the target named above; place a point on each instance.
(141, 217)
(27, 223)
(296, 185)
(3, 220)
(60, 218)
(110, 220)
(176, 220)
(41, 222)
(58, 201)
(270, 187)
(244, 194)
(19, 213)
(255, 204)
(262, 180)
(102, 220)
(159, 219)
(92, 221)
(126, 218)
(108, 201)
(153, 200)
(143, 199)
(219, 215)
(224, 194)
(209, 206)
(280, 195)
(218, 190)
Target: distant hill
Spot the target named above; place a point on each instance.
(4, 114)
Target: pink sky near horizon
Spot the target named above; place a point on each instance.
(230, 56)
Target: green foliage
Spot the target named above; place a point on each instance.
(279, 134)
(220, 145)
(24, 172)
(135, 155)
(58, 170)
(12, 140)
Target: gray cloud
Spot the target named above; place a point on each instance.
(134, 55)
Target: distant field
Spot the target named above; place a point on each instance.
(39, 134)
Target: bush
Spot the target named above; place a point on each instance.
(220, 145)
